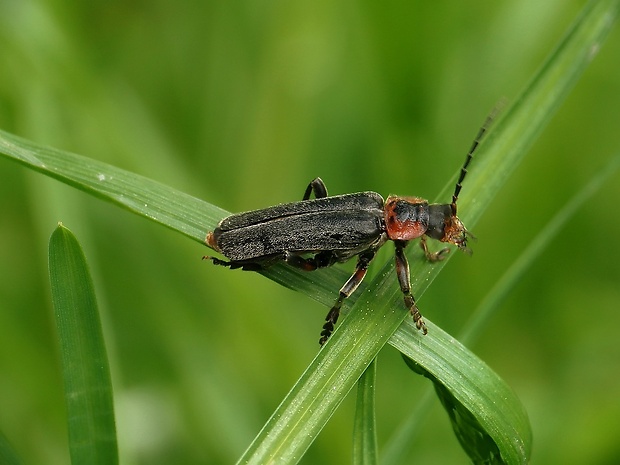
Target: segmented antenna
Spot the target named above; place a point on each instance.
(470, 154)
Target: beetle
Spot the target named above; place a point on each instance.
(317, 233)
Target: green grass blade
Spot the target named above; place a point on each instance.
(473, 437)
(365, 450)
(487, 417)
(145, 197)
(86, 373)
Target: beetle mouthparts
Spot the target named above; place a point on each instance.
(456, 233)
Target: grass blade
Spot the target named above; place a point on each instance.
(145, 197)
(86, 374)
(365, 449)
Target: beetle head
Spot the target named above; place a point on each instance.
(445, 226)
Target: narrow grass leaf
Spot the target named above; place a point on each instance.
(85, 369)
(365, 450)
(145, 197)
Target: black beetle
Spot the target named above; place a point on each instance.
(317, 233)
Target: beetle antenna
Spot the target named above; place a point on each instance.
(472, 150)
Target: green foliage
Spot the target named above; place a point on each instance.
(257, 99)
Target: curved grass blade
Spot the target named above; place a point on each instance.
(86, 373)
(487, 417)
(473, 437)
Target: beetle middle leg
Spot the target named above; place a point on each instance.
(347, 289)
(319, 260)
(402, 271)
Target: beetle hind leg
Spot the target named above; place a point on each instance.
(318, 187)
(217, 261)
(235, 265)
(347, 289)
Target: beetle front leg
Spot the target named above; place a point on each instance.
(318, 186)
(433, 256)
(402, 271)
(349, 288)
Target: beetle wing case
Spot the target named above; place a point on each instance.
(357, 201)
(347, 223)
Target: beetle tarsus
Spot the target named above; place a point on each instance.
(433, 256)
(330, 320)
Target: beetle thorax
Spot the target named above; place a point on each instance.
(406, 218)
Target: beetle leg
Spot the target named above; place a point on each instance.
(318, 186)
(402, 271)
(349, 288)
(319, 260)
(235, 265)
(433, 256)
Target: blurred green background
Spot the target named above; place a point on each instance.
(242, 103)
